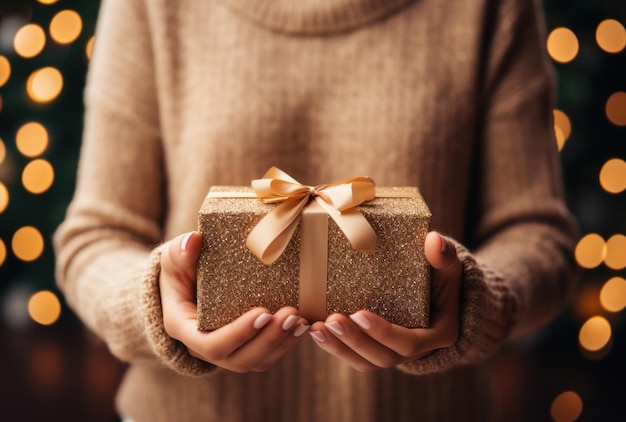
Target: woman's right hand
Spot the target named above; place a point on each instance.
(253, 342)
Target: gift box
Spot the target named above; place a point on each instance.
(318, 270)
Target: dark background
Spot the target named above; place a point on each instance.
(61, 372)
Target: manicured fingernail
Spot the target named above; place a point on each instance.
(336, 328)
(318, 336)
(444, 244)
(361, 320)
(301, 329)
(184, 241)
(262, 320)
(290, 322)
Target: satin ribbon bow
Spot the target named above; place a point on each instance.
(269, 238)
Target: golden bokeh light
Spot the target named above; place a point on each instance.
(3, 252)
(89, 47)
(29, 40)
(594, 334)
(44, 85)
(4, 197)
(562, 45)
(616, 252)
(27, 243)
(590, 250)
(616, 108)
(562, 122)
(613, 294)
(566, 407)
(611, 36)
(5, 70)
(3, 151)
(66, 26)
(38, 176)
(613, 175)
(44, 307)
(560, 138)
(32, 139)
(47, 1)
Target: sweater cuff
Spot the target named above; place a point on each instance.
(172, 353)
(487, 310)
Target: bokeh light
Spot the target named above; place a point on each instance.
(562, 127)
(3, 252)
(29, 40)
(566, 407)
(38, 176)
(4, 197)
(89, 47)
(3, 151)
(66, 26)
(47, 1)
(5, 70)
(595, 333)
(616, 252)
(44, 307)
(45, 84)
(613, 175)
(32, 139)
(590, 250)
(27, 243)
(611, 36)
(562, 45)
(613, 294)
(616, 108)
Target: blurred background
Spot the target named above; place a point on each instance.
(52, 369)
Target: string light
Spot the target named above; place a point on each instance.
(562, 45)
(590, 250)
(616, 108)
(44, 307)
(5, 70)
(27, 243)
(613, 294)
(566, 407)
(38, 176)
(594, 334)
(44, 85)
(29, 41)
(66, 26)
(612, 175)
(32, 139)
(611, 36)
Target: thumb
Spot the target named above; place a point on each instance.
(178, 261)
(440, 253)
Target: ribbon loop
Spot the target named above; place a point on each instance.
(269, 238)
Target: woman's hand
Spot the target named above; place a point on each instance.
(253, 342)
(367, 342)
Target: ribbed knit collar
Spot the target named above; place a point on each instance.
(314, 16)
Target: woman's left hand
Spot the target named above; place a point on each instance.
(367, 342)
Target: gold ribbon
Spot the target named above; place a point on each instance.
(269, 238)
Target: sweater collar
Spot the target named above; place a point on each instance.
(311, 17)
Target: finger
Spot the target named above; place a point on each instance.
(441, 253)
(178, 267)
(341, 338)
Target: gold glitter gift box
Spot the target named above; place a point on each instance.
(393, 281)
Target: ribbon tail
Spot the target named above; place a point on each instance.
(270, 237)
(354, 226)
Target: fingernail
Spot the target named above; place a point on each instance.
(262, 320)
(184, 241)
(361, 320)
(444, 244)
(336, 328)
(301, 329)
(290, 322)
(318, 336)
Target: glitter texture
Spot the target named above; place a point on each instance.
(393, 282)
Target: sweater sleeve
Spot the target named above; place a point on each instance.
(518, 267)
(108, 247)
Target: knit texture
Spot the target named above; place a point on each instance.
(453, 97)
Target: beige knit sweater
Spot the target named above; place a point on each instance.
(453, 97)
